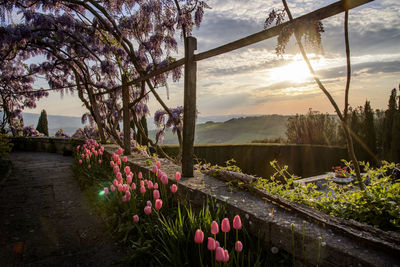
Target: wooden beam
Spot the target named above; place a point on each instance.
(189, 107)
(126, 117)
(319, 14)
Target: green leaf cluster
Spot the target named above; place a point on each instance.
(379, 206)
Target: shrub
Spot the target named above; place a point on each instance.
(5, 145)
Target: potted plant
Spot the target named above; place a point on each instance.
(341, 175)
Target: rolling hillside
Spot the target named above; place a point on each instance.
(236, 130)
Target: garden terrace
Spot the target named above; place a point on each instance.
(344, 243)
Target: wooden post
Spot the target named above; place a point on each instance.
(125, 113)
(189, 107)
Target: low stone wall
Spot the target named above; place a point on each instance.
(62, 146)
(303, 160)
(271, 221)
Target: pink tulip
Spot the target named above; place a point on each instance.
(226, 256)
(164, 179)
(118, 161)
(140, 176)
(112, 187)
(116, 169)
(150, 185)
(89, 166)
(120, 188)
(238, 246)
(125, 187)
(177, 176)
(127, 170)
(99, 161)
(199, 236)
(80, 161)
(119, 151)
(77, 148)
(112, 163)
(129, 179)
(133, 186)
(214, 228)
(174, 188)
(158, 204)
(219, 254)
(156, 194)
(237, 223)
(147, 210)
(135, 218)
(155, 186)
(158, 164)
(95, 153)
(82, 155)
(119, 175)
(211, 245)
(124, 159)
(105, 190)
(160, 173)
(148, 203)
(124, 199)
(142, 189)
(128, 193)
(141, 183)
(225, 227)
(154, 169)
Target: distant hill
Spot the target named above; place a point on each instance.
(210, 130)
(55, 122)
(235, 130)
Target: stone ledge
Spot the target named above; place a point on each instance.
(270, 220)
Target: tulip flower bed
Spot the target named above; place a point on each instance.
(143, 213)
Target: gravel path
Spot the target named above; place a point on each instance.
(45, 219)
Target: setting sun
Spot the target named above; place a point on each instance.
(296, 72)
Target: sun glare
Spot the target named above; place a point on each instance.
(296, 72)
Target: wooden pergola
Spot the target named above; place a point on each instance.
(190, 74)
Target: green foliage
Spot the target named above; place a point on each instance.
(312, 128)
(379, 207)
(5, 145)
(42, 126)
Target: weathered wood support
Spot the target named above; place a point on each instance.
(189, 107)
(125, 112)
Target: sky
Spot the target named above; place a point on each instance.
(254, 80)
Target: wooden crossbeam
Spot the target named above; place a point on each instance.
(319, 14)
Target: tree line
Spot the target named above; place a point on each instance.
(376, 132)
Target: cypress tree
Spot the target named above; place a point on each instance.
(369, 135)
(395, 145)
(388, 125)
(42, 125)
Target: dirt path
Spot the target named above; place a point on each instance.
(45, 219)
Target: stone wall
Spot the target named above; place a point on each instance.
(62, 146)
(303, 160)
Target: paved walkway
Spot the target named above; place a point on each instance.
(45, 219)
